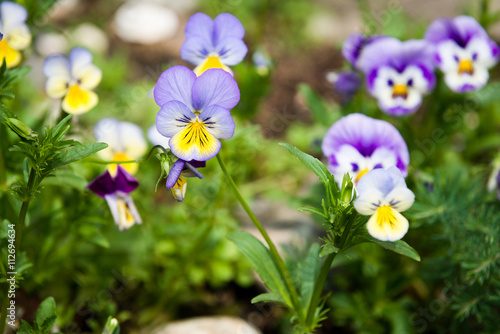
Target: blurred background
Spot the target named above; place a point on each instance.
(179, 264)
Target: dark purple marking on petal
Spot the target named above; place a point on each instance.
(125, 182)
(355, 167)
(102, 185)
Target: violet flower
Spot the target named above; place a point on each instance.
(115, 191)
(356, 144)
(463, 51)
(398, 73)
(176, 180)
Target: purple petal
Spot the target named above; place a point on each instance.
(198, 164)
(56, 65)
(199, 24)
(125, 182)
(352, 47)
(196, 49)
(103, 185)
(175, 172)
(460, 29)
(172, 118)
(366, 135)
(384, 180)
(12, 15)
(215, 86)
(227, 25)
(79, 58)
(175, 84)
(231, 50)
(347, 83)
(218, 122)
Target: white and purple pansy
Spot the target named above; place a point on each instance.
(354, 44)
(115, 190)
(176, 180)
(214, 43)
(356, 144)
(16, 35)
(398, 73)
(194, 111)
(383, 194)
(73, 78)
(463, 51)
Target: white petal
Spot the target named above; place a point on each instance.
(57, 86)
(368, 202)
(382, 157)
(132, 140)
(482, 51)
(89, 76)
(401, 198)
(12, 15)
(157, 138)
(19, 38)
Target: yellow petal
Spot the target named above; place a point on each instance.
(79, 101)
(12, 57)
(465, 66)
(195, 143)
(387, 224)
(211, 62)
(131, 167)
(125, 217)
(179, 189)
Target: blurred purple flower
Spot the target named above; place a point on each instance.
(463, 51)
(346, 83)
(356, 144)
(213, 43)
(115, 191)
(176, 180)
(383, 194)
(398, 73)
(194, 111)
(354, 44)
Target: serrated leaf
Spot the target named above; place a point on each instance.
(328, 249)
(310, 162)
(77, 153)
(25, 328)
(268, 298)
(46, 310)
(312, 210)
(399, 246)
(260, 258)
(48, 324)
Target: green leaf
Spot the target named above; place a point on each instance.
(269, 298)
(74, 154)
(328, 249)
(321, 114)
(25, 328)
(4, 229)
(65, 179)
(309, 271)
(313, 210)
(61, 128)
(399, 246)
(46, 310)
(48, 324)
(310, 162)
(260, 258)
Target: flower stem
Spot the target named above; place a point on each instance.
(325, 269)
(24, 209)
(274, 252)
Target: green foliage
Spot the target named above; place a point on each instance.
(45, 319)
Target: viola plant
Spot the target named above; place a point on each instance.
(73, 79)
(464, 52)
(125, 142)
(115, 189)
(216, 43)
(16, 35)
(176, 180)
(398, 74)
(357, 144)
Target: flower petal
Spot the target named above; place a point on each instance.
(175, 173)
(215, 86)
(11, 15)
(106, 131)
(199, 24)
(195, 143)
(132, 140)
(157, 138)
(103, 185)
(127, 213)
(89, 76)
(57, 86)
(79, 101)
(179, 189)
(231, 50)
(368, 202)
(125, 182)
(227, 25)
(172, 118)
(19, 38)
(78, 59)
(218, 121)
(196, 49)
(387, 224)
(56, 65)
(175, 84)
(401, 198)
(12, 57)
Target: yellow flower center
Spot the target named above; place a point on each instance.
(130, 167)
(361, 173)
(385, 215)
(400, 90)
(12, 57)
(77, 96)
(465, 66)
(195, 134)
(211, 62)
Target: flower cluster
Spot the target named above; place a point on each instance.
(398, 74)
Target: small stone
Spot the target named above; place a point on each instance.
(208, 325)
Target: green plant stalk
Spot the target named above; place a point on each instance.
(3, 170)
(274, 252)
(325, 269)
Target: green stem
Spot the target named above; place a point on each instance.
(325, 269)
(24, 209)
(3, 170)
(274, 252)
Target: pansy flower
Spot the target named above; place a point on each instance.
(356, 144)
(72, 79)
(383, 194)
(125, 142)
(214, 43)
(398, 73)
(15, 32)
(354, 44)
(176, 180)
(194, 111)
(115, 190)
(346, 83)
(464, 52)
